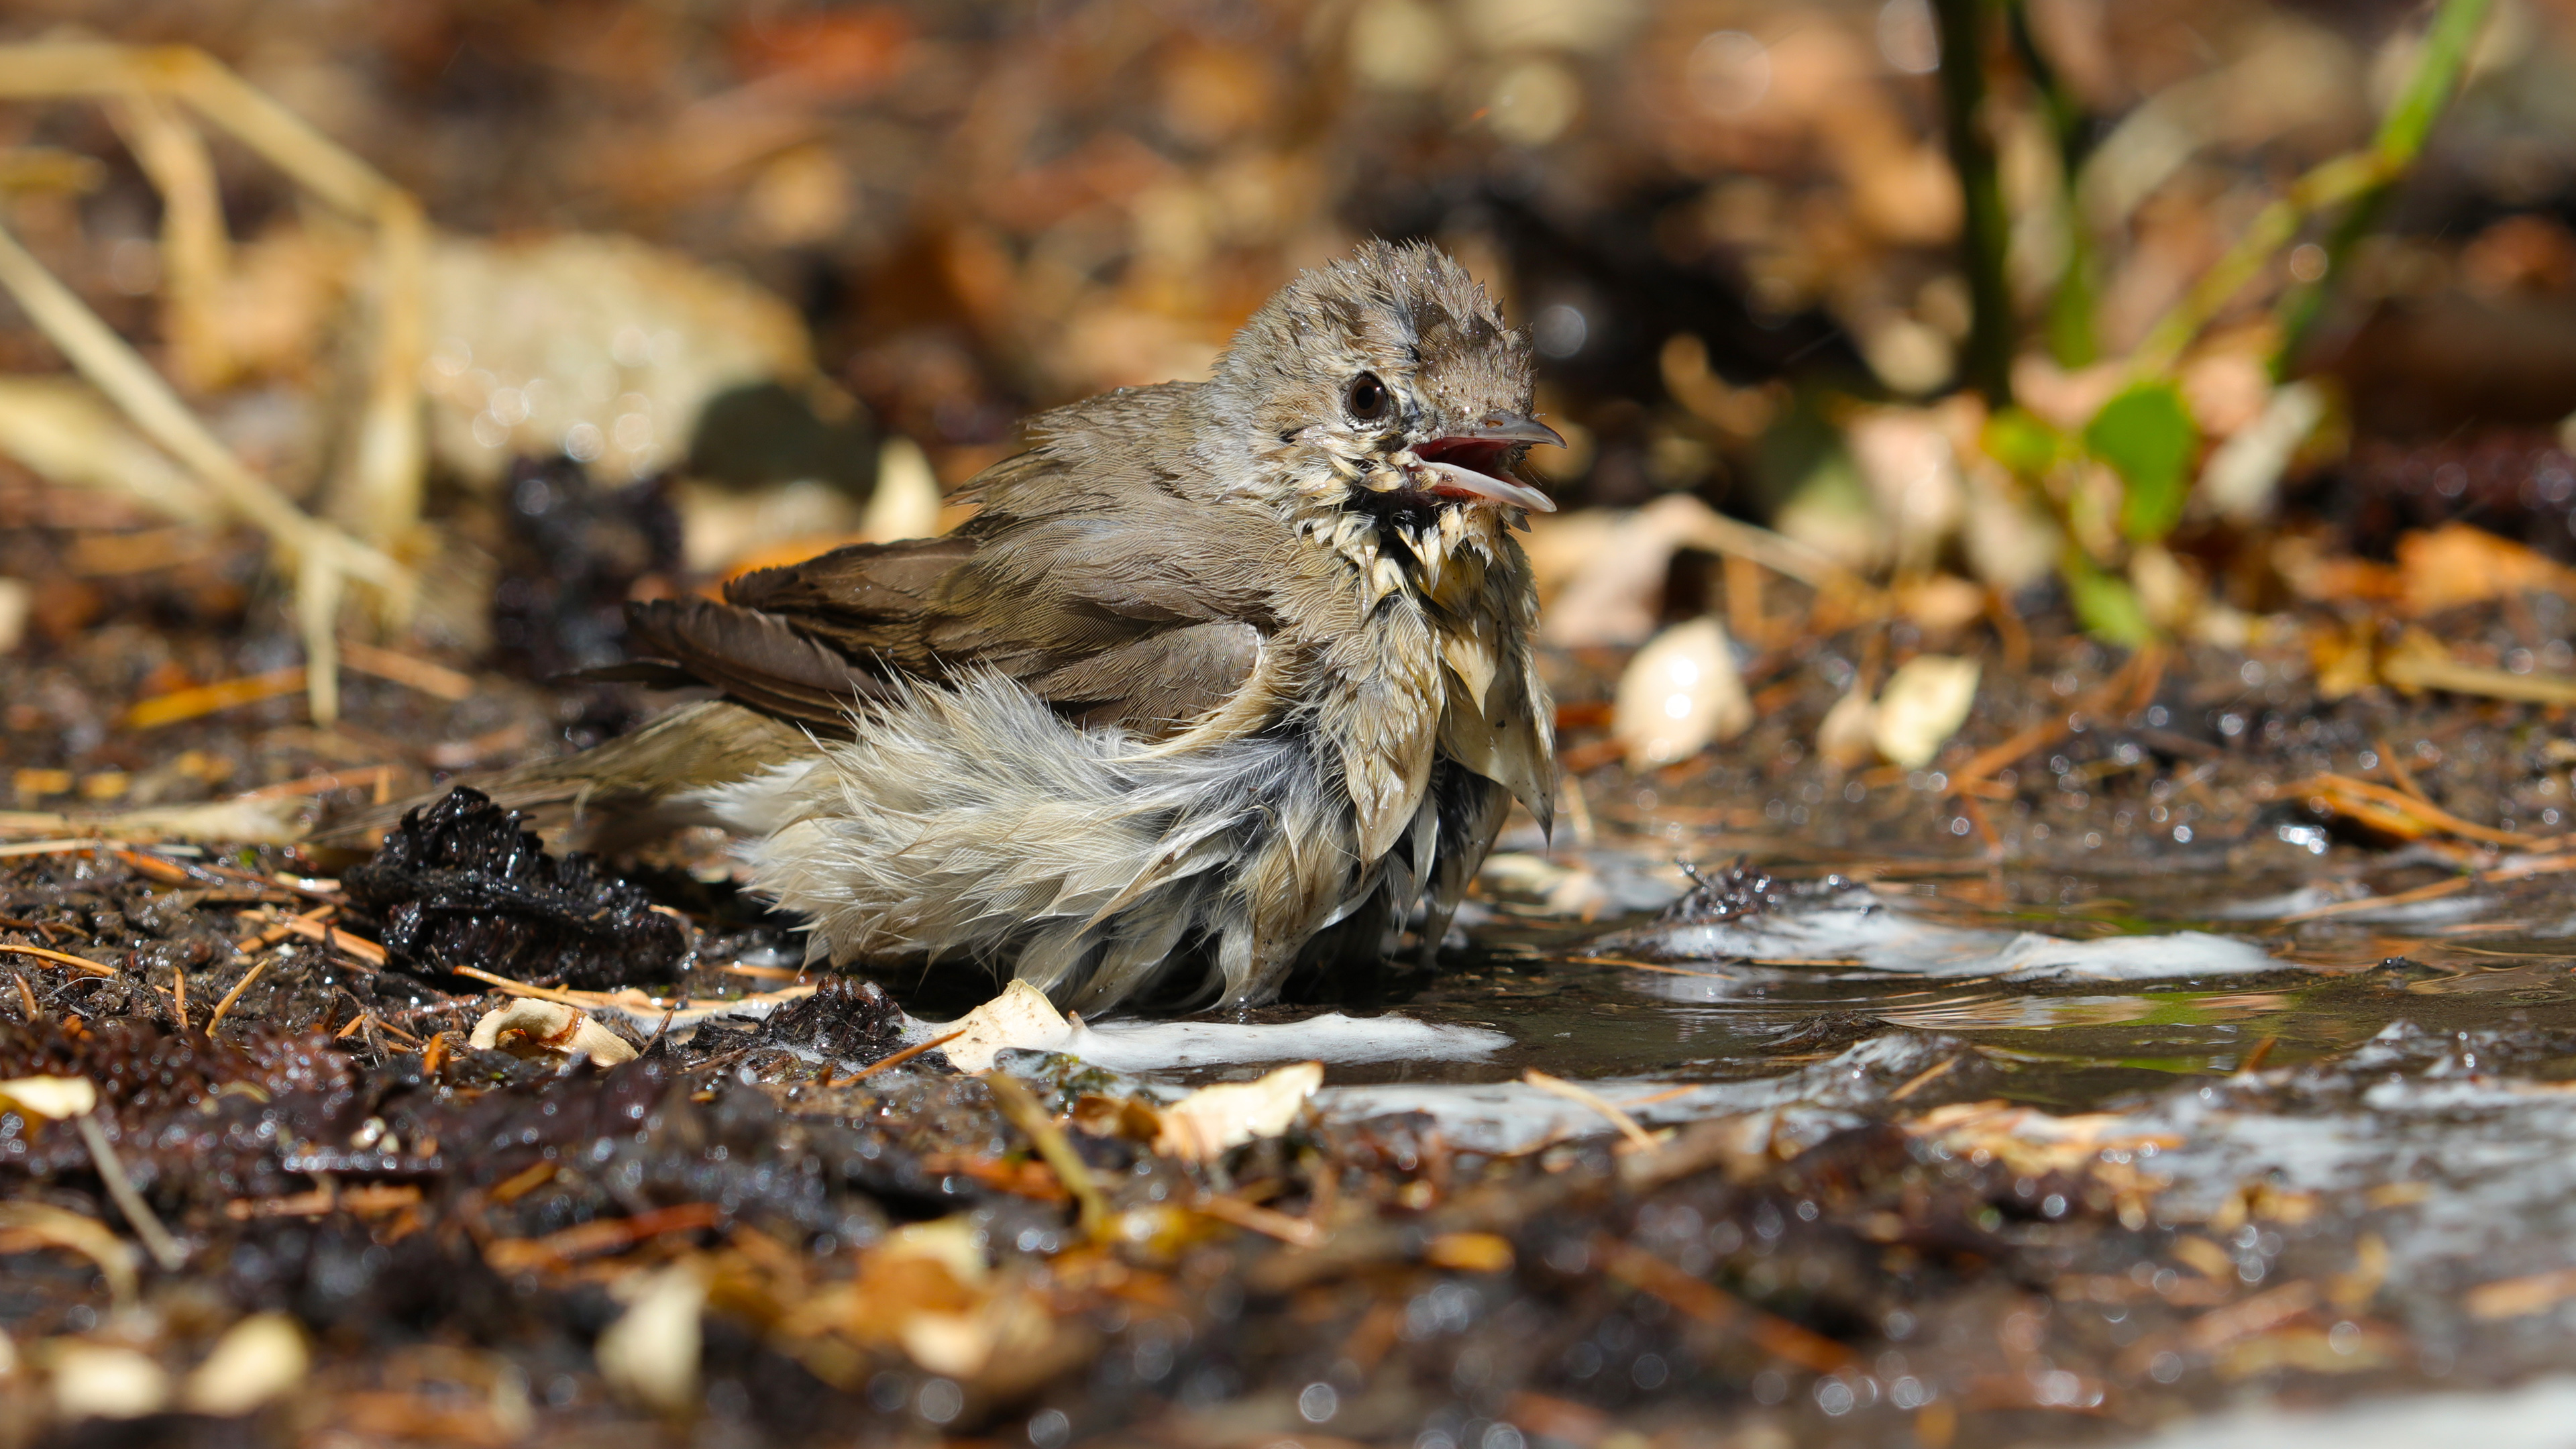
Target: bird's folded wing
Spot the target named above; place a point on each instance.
(760, 659)
(1105, 619)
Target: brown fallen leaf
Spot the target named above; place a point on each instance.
(2456, 564)
(2418, 661)
(2520, 1297)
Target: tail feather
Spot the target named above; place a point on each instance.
(633, 786)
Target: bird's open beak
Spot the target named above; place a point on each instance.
(1468, 462)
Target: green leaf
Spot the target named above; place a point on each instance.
(2147, 436)
(2022, 442)
(2104, 603)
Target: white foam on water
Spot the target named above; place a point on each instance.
(2490, 1162)
(2350, 907)
(2538, 1415)
(1515, 1116)
(1147, 1046)
(2288, 903)
(2032, 957)
(1859, 929)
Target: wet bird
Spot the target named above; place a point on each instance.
(1224, 680)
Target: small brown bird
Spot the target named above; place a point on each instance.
(1223, 680)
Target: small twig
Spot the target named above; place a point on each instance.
(153, 867)
(2435, 891)
(1925, 1078)
(221, 1007)
(165, 1249)
(2254, 1059)
(269, 936)
(1295, 1232)
(436, 680)
(1586, 1097)
(521, 988)
(899, 1058)
(729, 1058)
(2397, 770)
(367, 952)
(63, 958)
(1713, 1305)
(204, 699)
(1023, 1110)
(328, 780)
(179, 997)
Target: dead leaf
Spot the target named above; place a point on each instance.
(104, 1381)
(52, 1098)
(2417, 661)
(1208, 1122)
(1843, 738)
(258, 1359)
(527, 1027)
(1021, 1017)
(1680, 694)
(650, 1354)
(1925, 702)
(2456, 564)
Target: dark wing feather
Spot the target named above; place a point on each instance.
(760, 659)
(1119, 605)
(1157, 683)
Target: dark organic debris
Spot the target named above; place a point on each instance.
(1734, 892)
(573, 555)
(458, 883)
(845, 1020)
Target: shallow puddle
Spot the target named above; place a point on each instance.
(2080, 988)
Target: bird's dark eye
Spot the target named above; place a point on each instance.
(1366, 399)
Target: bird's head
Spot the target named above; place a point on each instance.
(1386, 386)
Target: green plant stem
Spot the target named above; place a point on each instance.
(2357, 177)
(1983, 233)
(2072, 302)
(2402, 134)
(2331, 183)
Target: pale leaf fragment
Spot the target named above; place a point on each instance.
(1680, 694)
(104, 1381)
(258, 1359)
(1843, 739)
(1021, 1017)
(1212, 1120)
(526, 1027)
(53, 1098)
(1925, 702)
(650, 1354)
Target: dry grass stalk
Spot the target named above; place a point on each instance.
(147, 1226)
(378, 493)
(1638, 1137)
(1022, 1108)
(216, 1017)
(899, 1058)
(59, 958)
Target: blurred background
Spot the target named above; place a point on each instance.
(544, 306)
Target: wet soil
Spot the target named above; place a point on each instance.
(1877, 1202)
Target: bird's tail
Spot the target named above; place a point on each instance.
(631, 788)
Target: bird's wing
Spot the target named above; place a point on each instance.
(1130, 616)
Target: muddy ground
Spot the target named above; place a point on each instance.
(1858, 1199)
